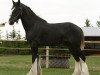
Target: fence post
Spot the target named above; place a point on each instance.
(47, 56)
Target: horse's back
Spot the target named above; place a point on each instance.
(54, 34)
(61, 33)
(71, 32)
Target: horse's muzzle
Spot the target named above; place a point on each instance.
(11, 22)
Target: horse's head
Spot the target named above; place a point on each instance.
(16, 12)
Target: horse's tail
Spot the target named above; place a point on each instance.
(82, 42)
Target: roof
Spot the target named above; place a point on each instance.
(91, 31)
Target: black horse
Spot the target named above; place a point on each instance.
(40, 33)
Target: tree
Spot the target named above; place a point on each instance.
(0, 34)
(13, 34)
(87, 23)
(7, 35)
(18, 37)
(98, 23)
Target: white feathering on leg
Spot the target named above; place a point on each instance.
(77, 70)
(33, 70)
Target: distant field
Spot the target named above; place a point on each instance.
(20, 65)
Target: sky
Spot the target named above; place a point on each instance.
(54, 11)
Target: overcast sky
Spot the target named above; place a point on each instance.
(54, 11)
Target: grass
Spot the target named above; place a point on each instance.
(14, 65)
(20, 65)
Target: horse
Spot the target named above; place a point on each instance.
(41, 33)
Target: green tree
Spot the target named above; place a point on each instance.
(7, 35)
(13, 34)
(0, 35)
(18, 37)
(88, 24)
(98, 23)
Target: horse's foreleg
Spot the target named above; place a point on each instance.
(34, 68)
(39, 69)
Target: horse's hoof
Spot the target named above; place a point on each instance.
(84, 73)
(76, 73)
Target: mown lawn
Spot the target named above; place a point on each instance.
(14, 65)
(20, 65)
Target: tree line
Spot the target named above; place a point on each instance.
(13, 35)
(88, 24)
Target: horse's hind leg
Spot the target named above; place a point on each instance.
(84, 67)
(80, 65)
(77, 70)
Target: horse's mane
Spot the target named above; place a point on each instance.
(31, 13)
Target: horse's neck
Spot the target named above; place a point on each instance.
(29, 19)
(27, 23)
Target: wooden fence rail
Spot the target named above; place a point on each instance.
(92, 50)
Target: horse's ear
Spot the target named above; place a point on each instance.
(19, 2)
(13, 2)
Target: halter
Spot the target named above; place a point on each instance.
(20, 13)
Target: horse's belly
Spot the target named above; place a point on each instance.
(51, 41)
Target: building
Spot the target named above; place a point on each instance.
(92, 40)
(91, 33)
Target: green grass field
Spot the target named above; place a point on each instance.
(20, 65)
